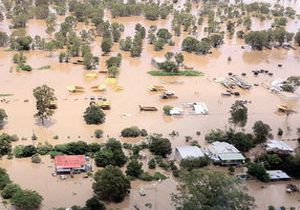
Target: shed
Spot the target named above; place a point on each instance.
(278, 175)
(183, 152)
(278, 146)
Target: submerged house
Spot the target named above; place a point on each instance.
(71, 164)
(278, 146)
(224, 153)
(184, 152)
(276, 175)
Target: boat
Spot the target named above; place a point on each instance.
(98, 88)
(75, 89)
(226, 94)
(168, 95)
(284, 108)
(103, 104)
(155, 88)
(103, 71)
(147, 108)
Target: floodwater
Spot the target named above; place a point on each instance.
(69, 125)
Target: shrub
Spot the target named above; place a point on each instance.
(145, 176)
(152, 164)
(26, 68)
(9, 190)
(159, 145)
(24, 151)
(98, 133)
(167, 109)
(36, 158)
(134, 168)
(159, 176)
(192, 163)
(259, 171)
(131, 132)
(94, 115)
(4, 178)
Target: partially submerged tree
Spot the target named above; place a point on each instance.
(26, 199)
(207, 189)
(261, 131)
(3, 117)
(44, 96)
(239, 114)
(111, 184)
(94, 115)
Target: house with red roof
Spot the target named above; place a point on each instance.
(71, 164)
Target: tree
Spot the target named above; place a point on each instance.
(239, 114)
(136, 47)
(207, 189)
(50, 22)
(134, 168)
(111, 154)
(44, 96)
(26, 199)
(94, 115)
(259, 171)
(5, 144)
(106, 45)
(216, 40)
(114, 61)
(189, 44)
(261, 131)
(159, 44)
(95, 204)
(297, 38)
(159, 145)
(257, 39)
(111, 184)
(113, 71)
(164, 34)
(9, 190)
(151, 11)
(4, 178)
(3, 117)
(179, 58)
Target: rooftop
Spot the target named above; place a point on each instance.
(278, 175)
(225, 151)
(277, 144)
(69, 161)
(190, 151)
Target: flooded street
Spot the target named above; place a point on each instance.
(69, 125)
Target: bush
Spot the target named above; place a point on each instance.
(5, 144)
(167, 109)
(193, 163)
(55, 153)
(95, 204)
(9, 190)
(21, 151)
(259, 171)
(159, 176)
(145, 176)
(36, 159)
(98, 133)
(159, 146)
(94, 115)
(4, 178)
(131, 132)
(152, 164)
(134, 168)
(26, 199)
(44, 149)
(26, 68)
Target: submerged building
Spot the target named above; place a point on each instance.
(71, 164)
(184, 152)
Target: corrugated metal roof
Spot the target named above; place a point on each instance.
(231, 156)
(189, 151)
(280, 145)
(225, 151)
(69, 161)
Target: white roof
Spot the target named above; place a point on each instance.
(159, 59)
(190, 151)
(200, 108)
(277, 174)
(278, 145)
(176, 111)
(225, 151)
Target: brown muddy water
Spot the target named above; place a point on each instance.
(68, 122)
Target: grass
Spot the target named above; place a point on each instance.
(188, 73)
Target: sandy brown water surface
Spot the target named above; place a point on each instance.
(69, 125)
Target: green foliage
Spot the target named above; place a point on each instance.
(3, 117)
(214, 135)
(271, 161)
(4, 179)
(297, 38)
(111, 184)
(44, 96)
(134, 168)
(5, 144)
(125, 44)
(95, 204)
(114, 61)
(239, 114)
(9, 190)
(209, 189)
(133, 131)
(159, 176)
(94, 115)
(3, 39)
(113, 71)
(152, 163)
(151, 11)
(21, 151)
(145, 176)
(259, 171)
(26, 199)
(193, 163)
(21, 43)
(261, 131)
(159, 145)
(98, 133)
(111, 154)
(167, 109)
(106, 45)
(44, 149)
(164, 34)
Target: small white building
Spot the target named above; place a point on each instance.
(200, 108)
(278, 175)
(157, 61)
(225, 154)
(278, 147)
(184, 152)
